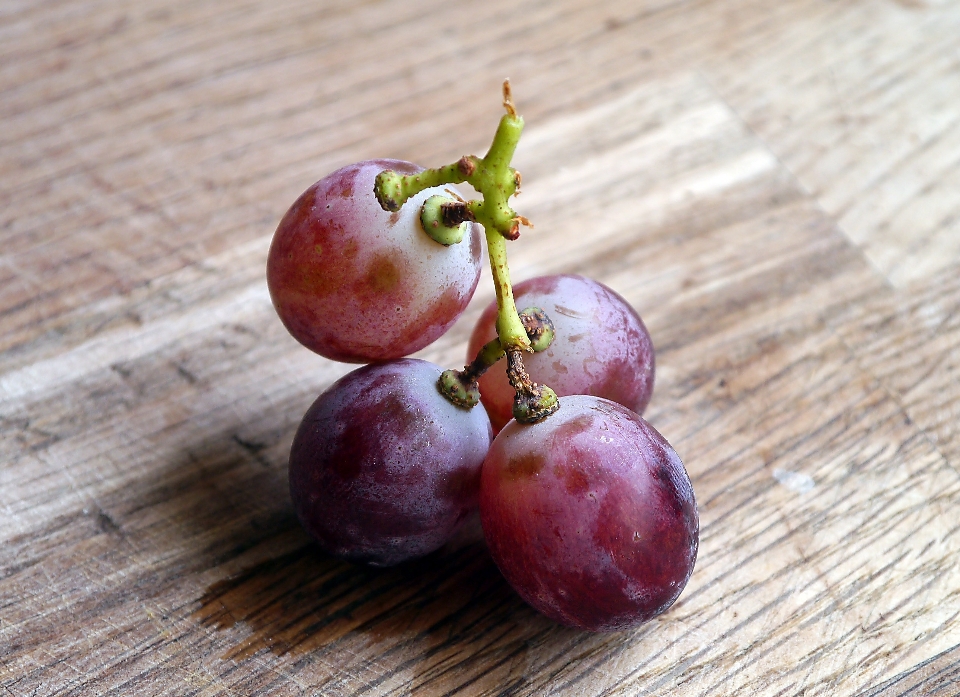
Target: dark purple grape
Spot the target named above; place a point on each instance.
(355, 283)
(601, 346)
(383, 468)
(590, 515)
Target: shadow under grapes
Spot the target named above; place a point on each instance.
(306, 600)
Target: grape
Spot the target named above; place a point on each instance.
(601, 346)
(590, 515)
(383, 468)
(355, 283)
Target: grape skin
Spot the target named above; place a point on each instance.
(355, 283)
(601, 346)
(383, 468)
(590, 515)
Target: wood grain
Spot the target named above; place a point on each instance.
(772, 186)
(936, 676)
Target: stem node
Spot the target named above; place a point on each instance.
(539, 328)
(460, 388)
(443, 219)
(467, 165)
(533, 402)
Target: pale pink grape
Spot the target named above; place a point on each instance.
(355, 283)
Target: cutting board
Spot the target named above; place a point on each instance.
(774, 188)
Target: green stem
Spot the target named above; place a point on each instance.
(393, 190)
(492, 176)
(496, 182)
(489, 354)
(504, 143)
(461, 386)
(509, 327)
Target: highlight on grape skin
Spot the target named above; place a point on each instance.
(383, 468)
(601, 346)
(355, 283)
(590, 515)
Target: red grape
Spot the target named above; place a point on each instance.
(601, 346)
(590, 515)
(355, 283)
(383, 468)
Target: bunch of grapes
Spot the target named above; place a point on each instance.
(586, 509)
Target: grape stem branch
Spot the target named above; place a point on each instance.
(461, 386)
(496, 181)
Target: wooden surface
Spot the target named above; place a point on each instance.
(774, 186)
